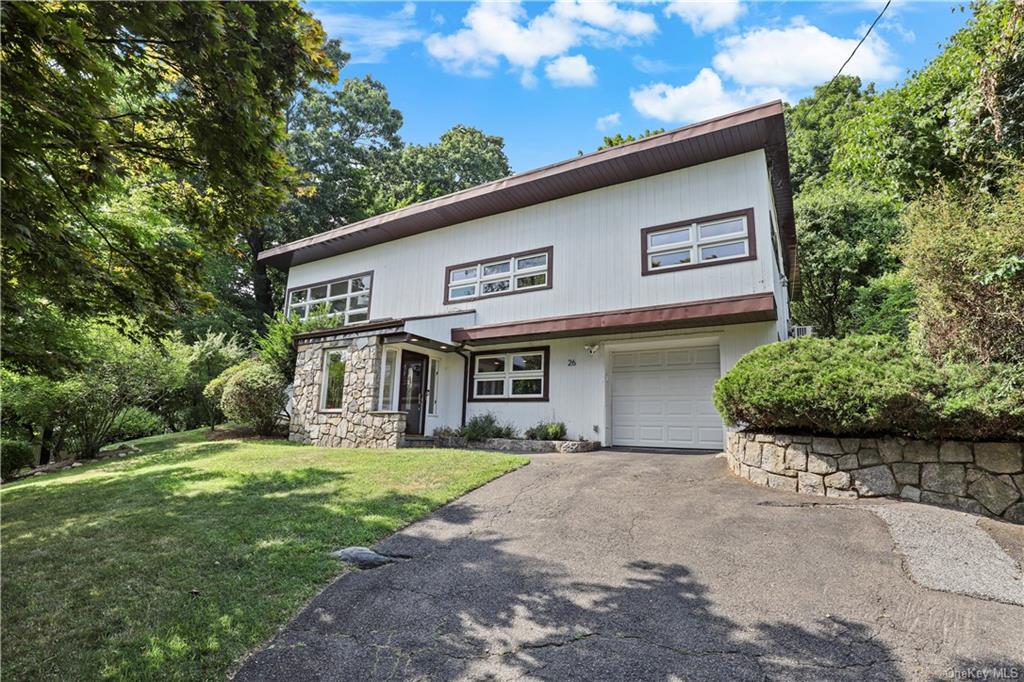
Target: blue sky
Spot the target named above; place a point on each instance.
(555, 78)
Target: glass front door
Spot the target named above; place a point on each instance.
(412, 391)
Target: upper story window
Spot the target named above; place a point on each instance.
(347, 298)
(510, 375)
(514, 273)
(711, 240)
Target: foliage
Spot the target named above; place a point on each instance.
(484, 426)
(845, 238)
(187, 406)
(815, 124)
(885, 305)
(464, 157)
(960, 118)
(135, 422)
(617, 139)
(863, 385)
(175, 563)
(15, 455)
(965, 256)
(135, 136)
(547, 431)
(254, 395)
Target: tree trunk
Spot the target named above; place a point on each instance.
(260, 281)
(44, 447)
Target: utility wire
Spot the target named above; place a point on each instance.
(857, 47)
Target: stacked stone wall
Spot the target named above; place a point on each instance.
(980, 478)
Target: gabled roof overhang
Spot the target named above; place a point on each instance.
(760, 127)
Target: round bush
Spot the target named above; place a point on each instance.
(135, 422)
(254, 395)
(14, 456)
(865, 385)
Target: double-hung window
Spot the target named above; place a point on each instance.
(510, 375)
(347, 299)
(498, 276)
(704, 241)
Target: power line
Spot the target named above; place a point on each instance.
(857, 47)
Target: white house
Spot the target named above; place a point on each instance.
(608, 292)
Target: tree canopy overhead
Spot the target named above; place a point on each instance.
(135, 135)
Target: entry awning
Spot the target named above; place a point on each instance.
(734, 310)
(431, 331)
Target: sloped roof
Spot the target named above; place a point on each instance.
(760, 127)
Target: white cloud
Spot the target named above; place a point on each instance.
(800, 55)
(608, 122)
(566, 71)
(704, 17)
(645, 65)
(369, 39)
(496, 32)
(702, 98)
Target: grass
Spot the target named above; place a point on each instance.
(173, 563)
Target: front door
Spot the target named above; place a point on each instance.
(412, 391)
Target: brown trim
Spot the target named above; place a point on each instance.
(445, 314)
(549, 250)
(470, 391)
(733, 310)
(759, 127)
(369, 303)
(351, 329)
(748, 213)
(416, 340)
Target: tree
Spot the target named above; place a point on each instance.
(959, 119)
(618, 139)
(136, 135)
(464, 157)
(815, 123)
(845, 236)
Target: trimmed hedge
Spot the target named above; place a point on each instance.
(869, 385)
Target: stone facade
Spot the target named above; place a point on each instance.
(358, 424)
(980, 478)
(519, 445)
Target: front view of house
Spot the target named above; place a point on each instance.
(608, 292)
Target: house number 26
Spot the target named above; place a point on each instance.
(572, 362)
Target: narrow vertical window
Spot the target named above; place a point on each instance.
(432, 388)
(387, 380)
(334, 379)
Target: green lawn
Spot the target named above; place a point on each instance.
(173, 563)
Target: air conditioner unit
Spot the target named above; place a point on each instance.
(801, 330)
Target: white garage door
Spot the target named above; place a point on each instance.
(662, 398)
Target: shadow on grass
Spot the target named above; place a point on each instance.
(464, 607)
(164, 569)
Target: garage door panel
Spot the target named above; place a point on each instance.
(663, 398)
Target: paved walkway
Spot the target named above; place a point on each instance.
(644, 567)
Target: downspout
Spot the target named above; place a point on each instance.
(465, 382)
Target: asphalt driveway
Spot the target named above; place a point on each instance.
(652, 567)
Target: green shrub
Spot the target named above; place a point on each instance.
(484, 426)
(135, 422)
(254, 394)
(14, 456)
(547, 431)
(864, 385)
(885, 305)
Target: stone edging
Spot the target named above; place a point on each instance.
(519, 445)
(980, 478)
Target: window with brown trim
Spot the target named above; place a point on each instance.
(347, 298)
(510, 375)
(509, 274)
(700, 242)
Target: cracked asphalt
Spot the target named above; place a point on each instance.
(616, 566)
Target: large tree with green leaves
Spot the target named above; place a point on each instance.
(136, 135)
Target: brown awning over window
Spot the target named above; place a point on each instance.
(735, 310)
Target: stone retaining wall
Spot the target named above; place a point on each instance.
(519, 445)
(358, 424)
(980, 478)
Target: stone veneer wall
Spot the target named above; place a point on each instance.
(981, 478)
(358, 424)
